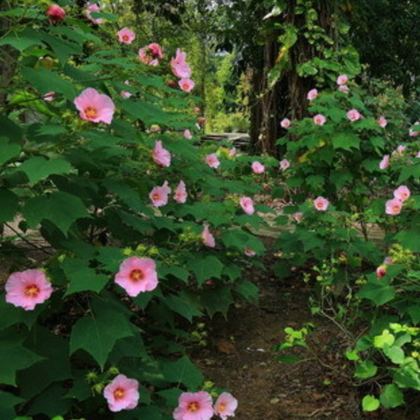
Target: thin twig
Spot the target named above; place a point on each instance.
(26, 240)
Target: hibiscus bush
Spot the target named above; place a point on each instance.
(351, 175)
(135, 231)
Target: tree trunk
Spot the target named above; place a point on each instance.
(8, 56)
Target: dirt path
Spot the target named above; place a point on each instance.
(241, 361)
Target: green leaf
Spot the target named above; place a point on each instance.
(10, 129)
(178, 272)
(60, 208)
(81, 277)
(386, 339)
(248, 290)
(345, 140)
(147, 112)
(9, 205)
(184, 372)
(378, 291)
(21, 40)
(14, 357)
(217, 299)
(7, 402)
(366, 369)
(8, 151)
(62, 49)
(97, 334)
(38, 168)
(47, 80)
(391, 396)
(370, 403)
(288, 358)
(407, 375)
(206, 268)
(396, 354)
(183, 305)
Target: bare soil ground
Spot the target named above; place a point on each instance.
(320, 387)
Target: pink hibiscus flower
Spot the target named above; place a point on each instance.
(312, 94)
(181, 193)
(285, 123)
(249, 252)
(393, 207)
(159, 195)
(161, 156)
(187, 85)
(353, 115)
(258, 167)
(319, 119)
(179, 65)
(382, 121)
(400, 149)
(212, 160)
(402, 193)
(137, 275)
(122, 393)
(187, 134)
(126, 36)
(151, 54)
(284, 164)
(343, 88)
(93, 7)
(225, 405)
(208, 238)
(247, 205)
(194, 406)
(56, 13)
(28, 288)
(94, 106)
(321, 203)
(384, 162)
(342, 79)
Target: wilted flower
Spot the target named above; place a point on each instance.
(384, 162)
(382, 121)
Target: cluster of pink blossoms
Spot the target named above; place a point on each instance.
(159, 195)
(151, 54)
(199, 406)
(93, 7)
(394, 206)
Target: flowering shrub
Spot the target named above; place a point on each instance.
(142, 232)
(351, 170)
